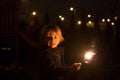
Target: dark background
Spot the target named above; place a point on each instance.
(20, 31)
(54, 7)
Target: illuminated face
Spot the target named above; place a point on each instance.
(52, 39)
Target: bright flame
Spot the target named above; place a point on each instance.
(88, 56)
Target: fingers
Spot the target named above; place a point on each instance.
(77, 66)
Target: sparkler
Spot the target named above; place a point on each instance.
(88, 56)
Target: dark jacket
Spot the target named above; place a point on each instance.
(51, 63)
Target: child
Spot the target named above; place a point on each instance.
(51, 55)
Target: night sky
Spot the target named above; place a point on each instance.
(54, 7)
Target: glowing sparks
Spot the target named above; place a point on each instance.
(88, 56)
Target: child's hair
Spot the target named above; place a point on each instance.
(49, 28)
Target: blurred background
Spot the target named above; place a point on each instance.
(85, 25)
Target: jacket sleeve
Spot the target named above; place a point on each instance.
(52, 65)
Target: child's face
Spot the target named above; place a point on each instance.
(52, 39)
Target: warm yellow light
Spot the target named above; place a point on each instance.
(89, 22)
(108, 20)
(116, 17)
(89, 15)
(60, 16)
(5, 48)
(88, 56)
(79, 22)
(103, 20)
(71, 8)
(112, 23)
(34, 13)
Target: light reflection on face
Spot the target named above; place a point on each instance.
(52, 39)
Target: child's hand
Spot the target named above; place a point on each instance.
(77, 66)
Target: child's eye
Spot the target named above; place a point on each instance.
(55, 37)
